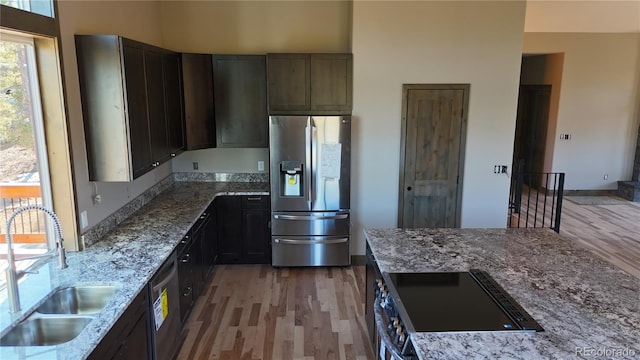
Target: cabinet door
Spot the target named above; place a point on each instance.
(289, 82)
(185, 279)
(134, 68)
(155, 98)
(255, 229)
(173, 102)
(197, 77)
(229, 225)
(209, 242)
(135, 346)
(240, 93)
(256, 236)
(331, 83)
(129, 336)
(372, 274)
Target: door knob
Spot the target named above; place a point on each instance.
(408, 188)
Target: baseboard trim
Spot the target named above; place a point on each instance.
(590, 192)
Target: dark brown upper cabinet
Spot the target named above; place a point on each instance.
(240, 101)
(316, 84)
(197, 76)
(131, 104)
(174, 109)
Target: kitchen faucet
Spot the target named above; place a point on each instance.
(12, 274)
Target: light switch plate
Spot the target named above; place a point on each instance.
(84, 221)
(260, 165)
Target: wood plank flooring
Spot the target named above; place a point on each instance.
(610, 231)
(260, 312)
(252, 312)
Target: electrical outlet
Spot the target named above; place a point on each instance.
(195, 165)
(260, 165)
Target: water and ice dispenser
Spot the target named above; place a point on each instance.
(291, 178)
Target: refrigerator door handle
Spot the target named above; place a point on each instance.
(310, 242)
(314, 162)
(308, 217)
(309, 169)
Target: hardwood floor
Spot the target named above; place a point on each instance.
(610, 231)
(259, 312)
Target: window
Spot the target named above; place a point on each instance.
(41, 7)
(24, 175)
(30, 43)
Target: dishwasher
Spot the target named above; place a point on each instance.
(165, 309)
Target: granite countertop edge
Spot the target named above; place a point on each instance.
(567, 289)
(126, 257)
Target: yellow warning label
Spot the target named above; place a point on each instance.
(165, 304)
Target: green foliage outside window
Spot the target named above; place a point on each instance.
(15, 106)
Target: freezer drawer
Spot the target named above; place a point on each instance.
(310, 251)
(304, 223)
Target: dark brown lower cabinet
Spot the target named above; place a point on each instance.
(129, 336)
(372, 275)
(242, 224)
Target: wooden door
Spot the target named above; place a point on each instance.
(433, 138)
(531, 130)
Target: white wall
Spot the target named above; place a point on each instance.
(597, 106)
(396, 43)
(138, 20)
(251, 27)
(222, 160)
(588, 16)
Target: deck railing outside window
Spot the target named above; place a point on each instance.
(28, 227)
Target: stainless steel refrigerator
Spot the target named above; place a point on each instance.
(310, 161)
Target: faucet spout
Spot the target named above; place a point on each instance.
(12, 274)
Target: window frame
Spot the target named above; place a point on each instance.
(48, 54)
(37, 123)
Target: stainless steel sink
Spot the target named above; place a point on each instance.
(45, 331)
(77, 300)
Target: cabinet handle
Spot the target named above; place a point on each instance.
(255, 198)
(189, 289)
(185, 259)
(173, 154)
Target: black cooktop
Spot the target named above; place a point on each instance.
(456, 301)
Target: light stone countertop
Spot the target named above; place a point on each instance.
(126, 257)
(587, 306)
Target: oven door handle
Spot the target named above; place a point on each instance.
(384, 337)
